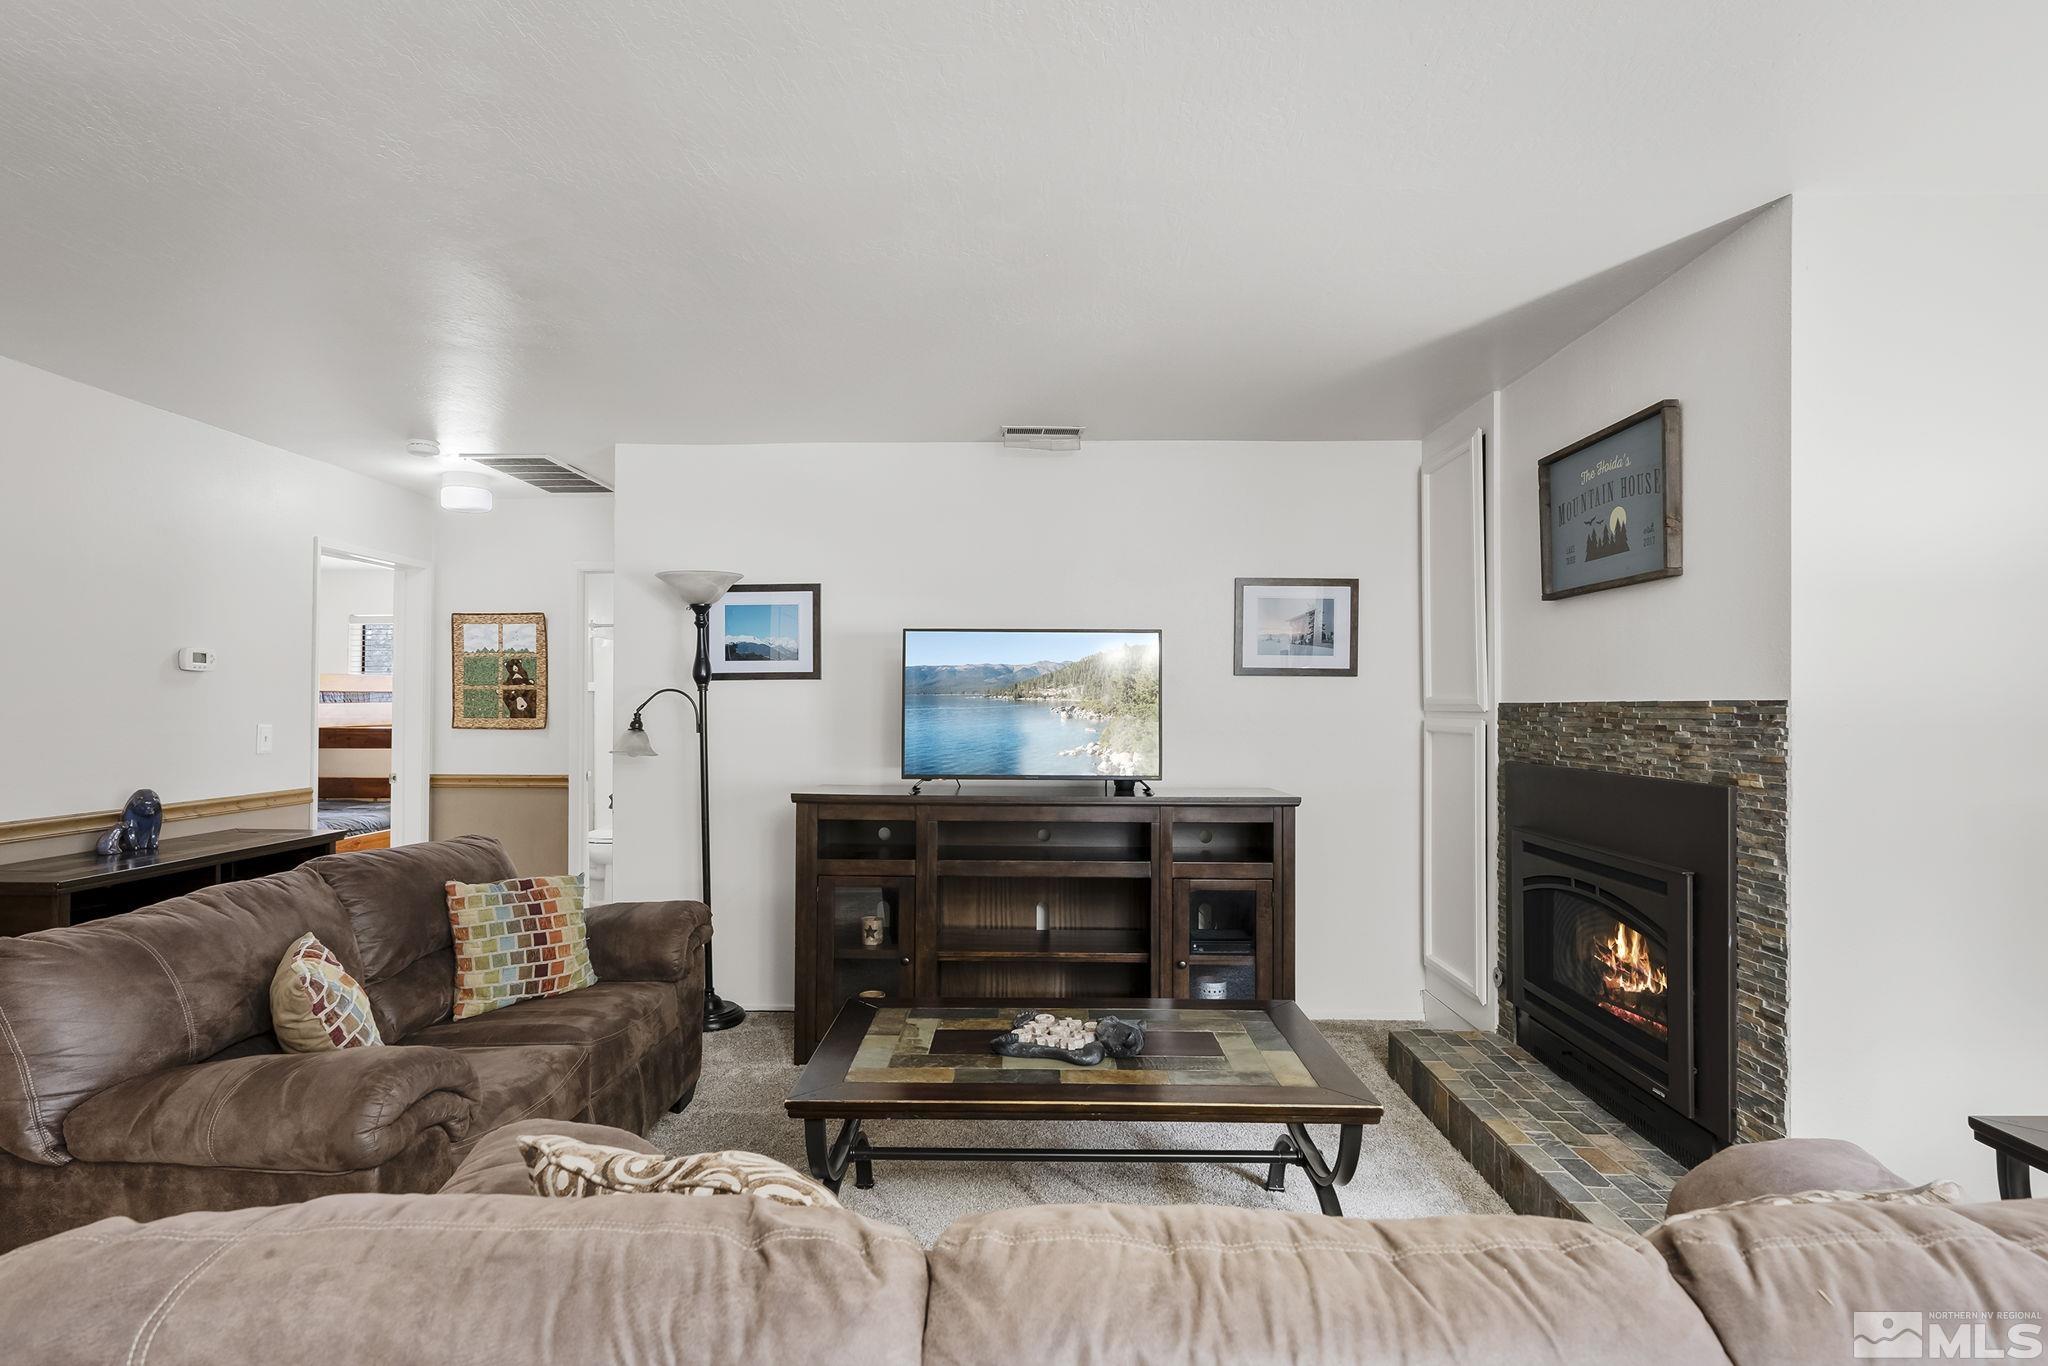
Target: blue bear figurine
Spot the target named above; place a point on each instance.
(141, 827)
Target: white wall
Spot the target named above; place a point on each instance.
(348, 589)
(1715, 336)
(520, 557)
(137, 532)
(971, 534)
(1919, 568)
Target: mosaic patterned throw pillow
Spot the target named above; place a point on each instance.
(569, 1167)
(315, 1006)
(516, 940)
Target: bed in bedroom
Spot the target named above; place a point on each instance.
(355, 760)
(362, 823)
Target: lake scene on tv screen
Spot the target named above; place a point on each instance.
(1031, 704)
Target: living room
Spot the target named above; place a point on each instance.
(1563, 755)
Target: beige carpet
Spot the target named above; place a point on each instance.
(1407, 1169)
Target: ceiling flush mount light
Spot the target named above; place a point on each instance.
(464, 493)
(425, 450)
(1042, 438)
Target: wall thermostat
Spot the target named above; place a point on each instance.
(194, 660)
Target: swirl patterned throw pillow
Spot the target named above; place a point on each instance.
(315, 1006)
(516, 940)
(569, 1167)
(1933, 1193)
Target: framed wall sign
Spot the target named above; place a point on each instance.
(1610, 506)
(500, 670)
(765, 630)
(1290, 628)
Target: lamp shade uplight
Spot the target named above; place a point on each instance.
(464, 493)
(699, 586)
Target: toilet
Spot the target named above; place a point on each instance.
(598, 857)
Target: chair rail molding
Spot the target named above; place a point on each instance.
(89, 822)
(501, 780)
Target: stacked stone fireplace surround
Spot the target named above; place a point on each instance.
(1480, 1090)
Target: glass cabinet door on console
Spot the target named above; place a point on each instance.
(866, 926)
(1223, 939)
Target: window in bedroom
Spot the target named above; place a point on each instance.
(369, 641)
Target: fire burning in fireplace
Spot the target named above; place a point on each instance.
(1632, 986)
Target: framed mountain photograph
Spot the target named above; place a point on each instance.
(499, 665)
(1610, 505)
(1293, 628)
(765, 630)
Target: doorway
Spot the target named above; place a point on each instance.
(590, 838)
(355, 658)
(366, 697)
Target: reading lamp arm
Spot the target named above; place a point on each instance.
(694, 708)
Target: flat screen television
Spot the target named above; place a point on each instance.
(1030, 704)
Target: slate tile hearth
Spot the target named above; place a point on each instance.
(1539, 1141)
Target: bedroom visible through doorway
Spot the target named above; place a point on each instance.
(355, 656)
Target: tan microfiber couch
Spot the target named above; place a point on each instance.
(486, 1272)
(138, 1074)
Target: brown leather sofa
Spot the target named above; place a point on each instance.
(485, 1271)
(139, 1076)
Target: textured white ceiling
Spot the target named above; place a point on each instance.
(549, 225)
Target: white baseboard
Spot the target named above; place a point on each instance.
(1439, 1013)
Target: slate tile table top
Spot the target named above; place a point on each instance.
(1241, 1062)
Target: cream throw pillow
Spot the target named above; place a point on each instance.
(315, 1006)
(569, 1167)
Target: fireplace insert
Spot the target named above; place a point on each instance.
(1605, 959)
(1619, 966)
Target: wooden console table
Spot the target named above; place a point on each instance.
(69, 888)
(1017, 891)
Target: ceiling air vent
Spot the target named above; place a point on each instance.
(549, 476)
(1043, 438)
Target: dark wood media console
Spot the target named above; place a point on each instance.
(1018, 891)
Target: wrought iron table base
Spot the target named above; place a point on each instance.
(850, 1147)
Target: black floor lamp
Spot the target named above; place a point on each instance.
(699, 588)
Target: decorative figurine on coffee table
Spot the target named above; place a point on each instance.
(142, 825)
(1040, 1034)
(1120, 1038)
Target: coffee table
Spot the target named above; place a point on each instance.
(1239, 1062)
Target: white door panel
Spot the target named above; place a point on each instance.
(1455, 940)
(1454, 579)
(1457, 730)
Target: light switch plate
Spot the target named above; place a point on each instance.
(263, 737)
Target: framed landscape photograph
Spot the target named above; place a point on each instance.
(499, 664)
(1297, 627)
(765, 630)
(1611, 506)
